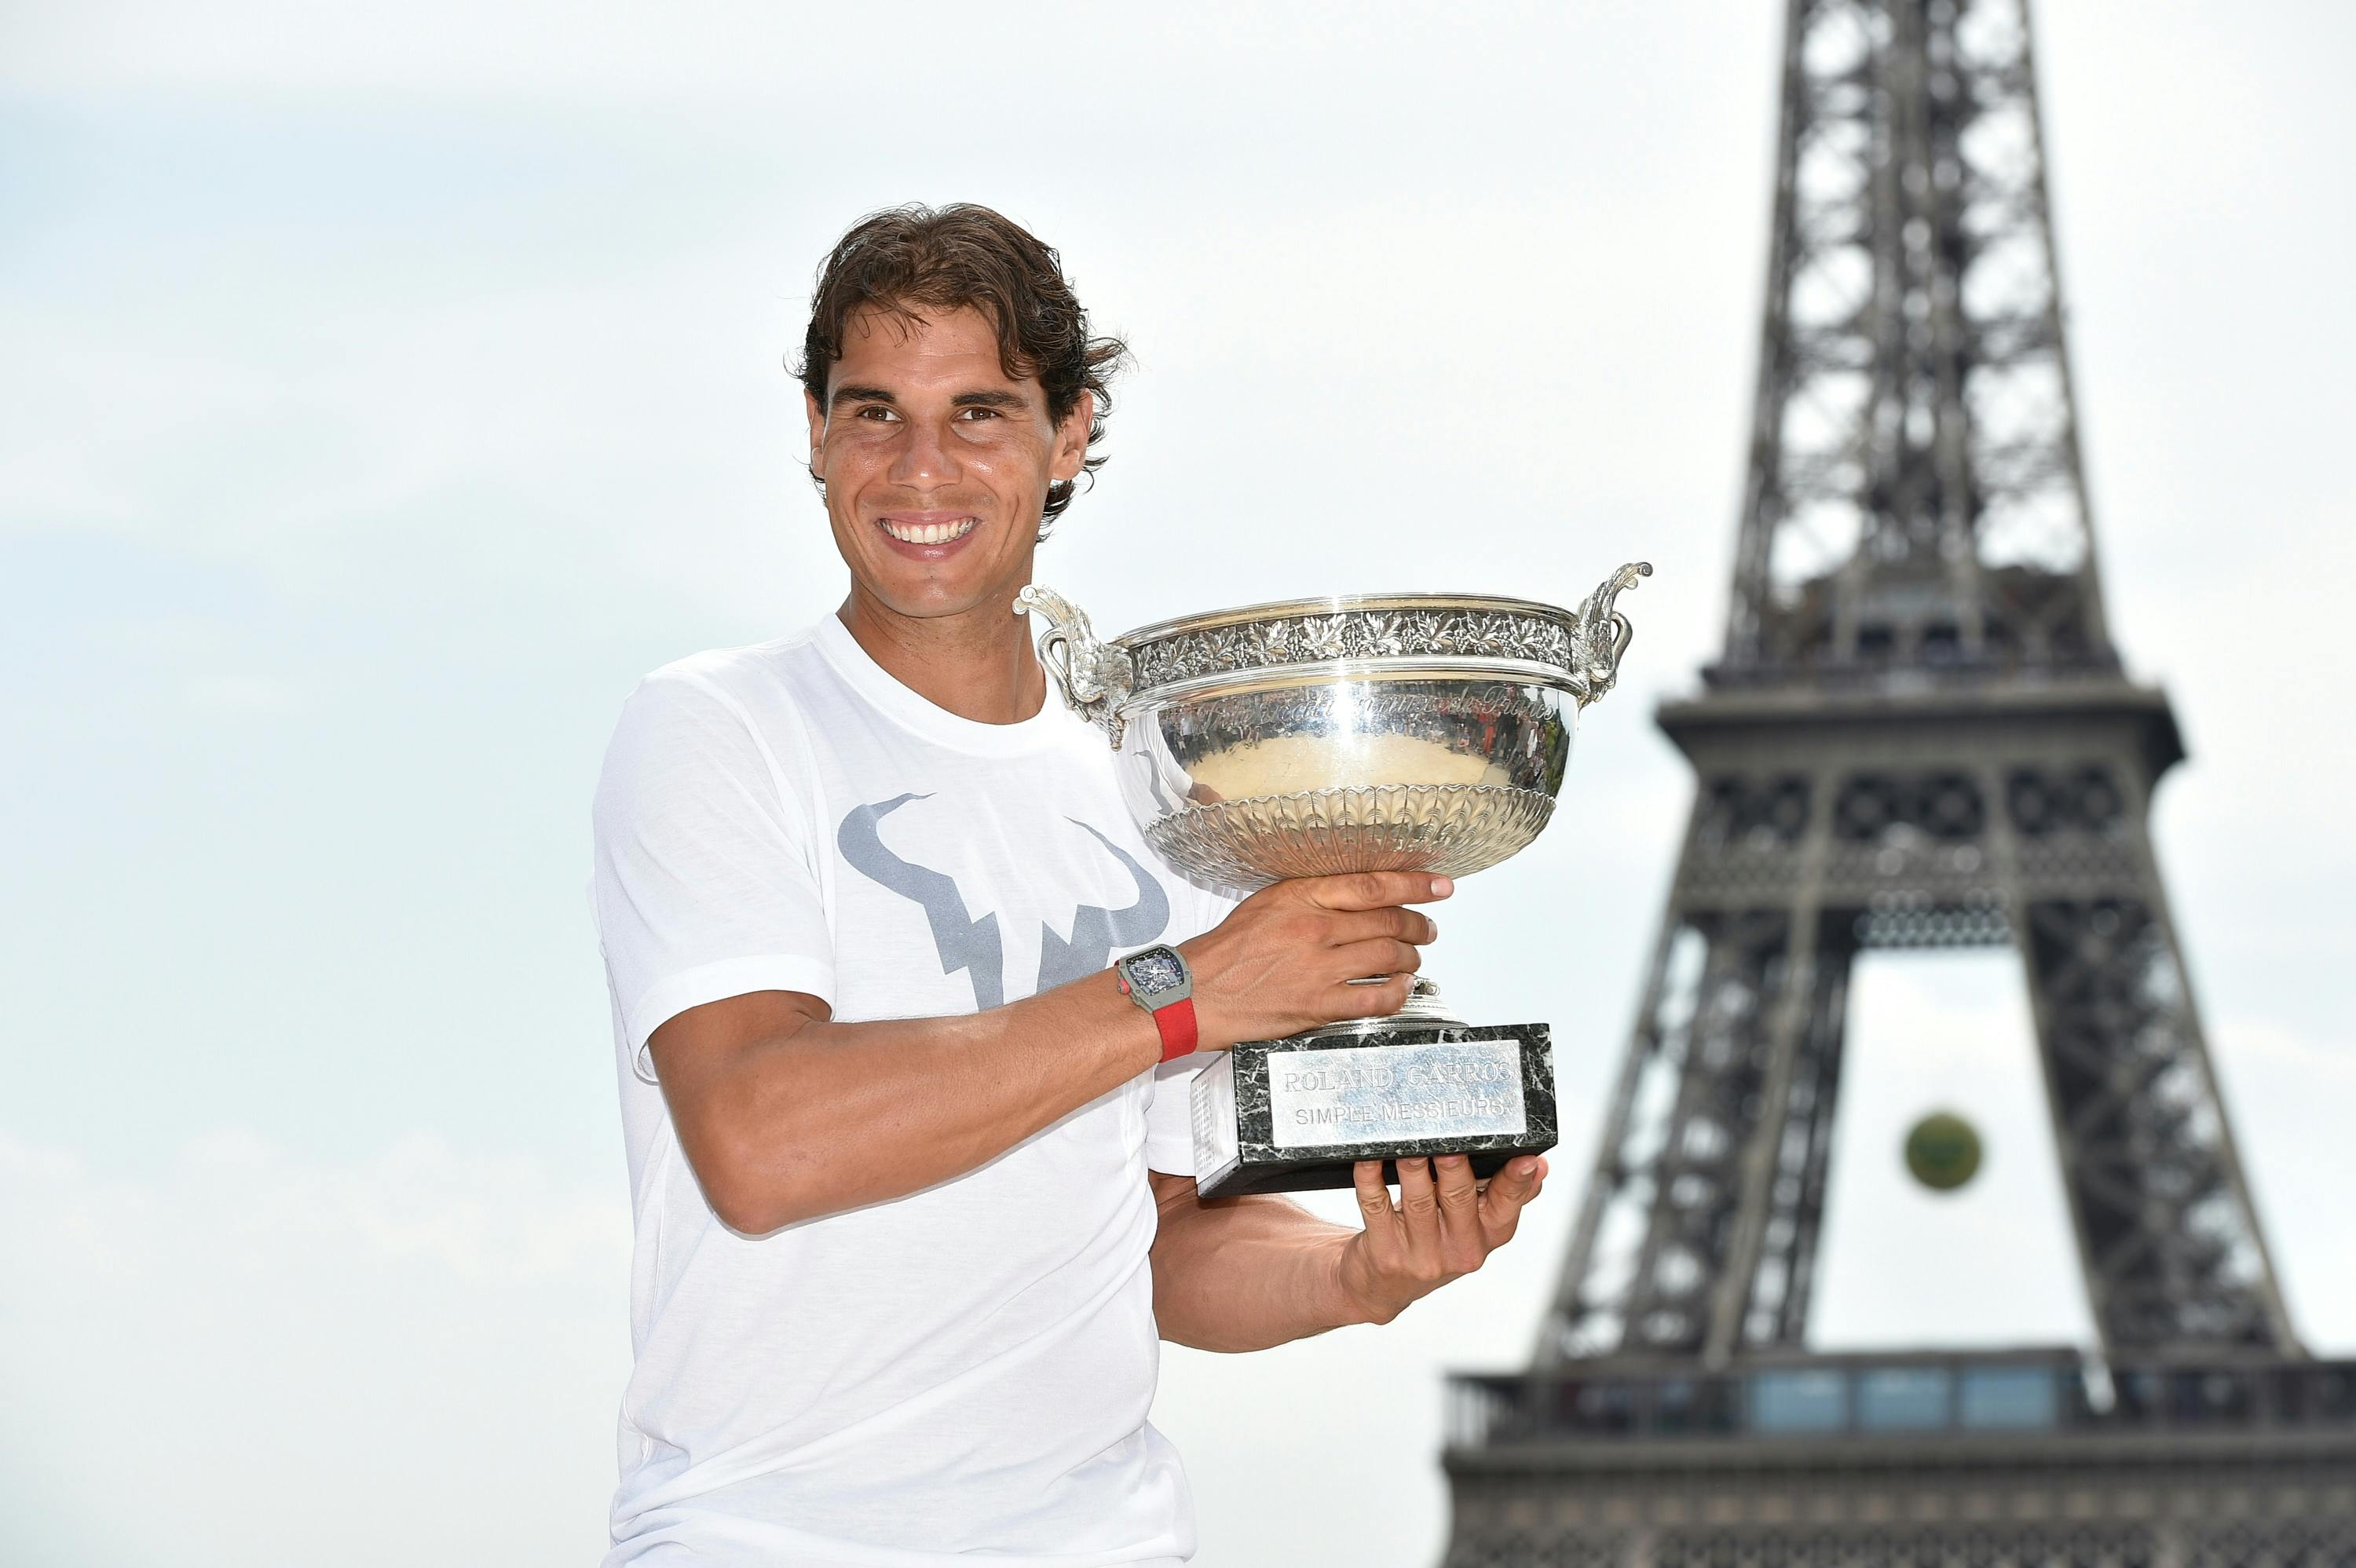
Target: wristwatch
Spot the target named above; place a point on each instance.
(1157, 979)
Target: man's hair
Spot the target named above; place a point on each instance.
(907, 260)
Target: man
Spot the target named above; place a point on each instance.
(911, 1168)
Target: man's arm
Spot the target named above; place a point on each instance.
(785, 1114)
(1244, 1273)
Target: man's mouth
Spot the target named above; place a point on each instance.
(929, 528)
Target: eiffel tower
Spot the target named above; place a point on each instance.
(1919, 735)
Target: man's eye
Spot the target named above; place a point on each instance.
(979, 413)
(875, 412)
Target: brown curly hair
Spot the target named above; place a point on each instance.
(905, 260)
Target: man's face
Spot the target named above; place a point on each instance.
(937, 464)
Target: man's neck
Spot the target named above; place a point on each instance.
(977, 665)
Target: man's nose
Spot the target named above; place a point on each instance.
(924, 457)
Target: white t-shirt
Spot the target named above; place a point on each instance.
(965, 1370)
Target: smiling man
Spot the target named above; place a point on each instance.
(909, 1152)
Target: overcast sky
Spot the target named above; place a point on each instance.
(388, 388)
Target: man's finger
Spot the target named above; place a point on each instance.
(1381, 955)
(1460, 1211)
(1365, 925)
(1509, 1190)
(1418, 1202)
(1458, 1200)
(1373, 889)
(1374, 1199)
(1375, 996)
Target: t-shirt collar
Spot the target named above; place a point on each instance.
(1052, 727)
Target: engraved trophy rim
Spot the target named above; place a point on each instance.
(1405, 667)
(1340, 603)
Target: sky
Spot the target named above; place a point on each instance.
(387, 389)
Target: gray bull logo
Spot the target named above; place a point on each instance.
(973, 944)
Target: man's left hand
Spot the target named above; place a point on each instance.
(1442, 1227)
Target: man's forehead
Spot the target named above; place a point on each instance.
(921, 347)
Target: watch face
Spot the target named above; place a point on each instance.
(1155, 969)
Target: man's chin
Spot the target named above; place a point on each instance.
(934, 598)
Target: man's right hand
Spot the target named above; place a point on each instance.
(1283, 960)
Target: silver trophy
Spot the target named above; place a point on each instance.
(1362, 732)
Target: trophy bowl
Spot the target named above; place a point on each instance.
(1358, 732)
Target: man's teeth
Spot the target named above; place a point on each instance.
(929, 533)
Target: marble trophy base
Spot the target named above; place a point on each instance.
(1292, 1115)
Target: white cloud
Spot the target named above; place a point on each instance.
(247, 696)
(1224, 58)
(248, 1357)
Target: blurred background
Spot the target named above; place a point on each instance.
(387, 389)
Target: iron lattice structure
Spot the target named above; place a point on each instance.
(1919, 735)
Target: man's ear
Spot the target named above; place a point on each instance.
(1072, 438)
(817, 423)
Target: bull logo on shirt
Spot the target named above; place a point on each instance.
(971, 943)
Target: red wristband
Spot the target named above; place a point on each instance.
(1176, 1023)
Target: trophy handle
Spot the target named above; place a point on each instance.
(1604, 633)
(1095, 676)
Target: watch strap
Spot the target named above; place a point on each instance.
(1176, 1022)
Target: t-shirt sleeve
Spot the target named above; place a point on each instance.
(1170, 1115)
(703, 881)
